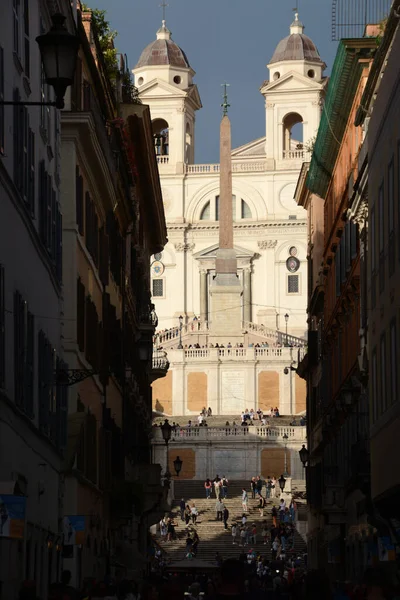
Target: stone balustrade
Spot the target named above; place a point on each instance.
(248, 166)
(278, 336)
(300, 154)
(163, 160)
(239, 354)
(272, 433)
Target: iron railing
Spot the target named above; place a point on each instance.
(350, 17)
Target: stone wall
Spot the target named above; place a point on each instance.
(273, 462)
(268, 389)
(197, 395)
(162, 394)
(188, 458)
(300, 394)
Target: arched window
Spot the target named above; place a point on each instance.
(206, 212)
(293, 136)
(245, 210)
(210, 210)
(161, 137)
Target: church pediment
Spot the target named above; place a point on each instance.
(193, 94)
(292, 81)
(210, 253)
(254, 148)
(159, 88)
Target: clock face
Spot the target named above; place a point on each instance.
(158, 256)
(292, 264)
(293, 251)
(157, 268)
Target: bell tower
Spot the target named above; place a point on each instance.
(293, 96)
(164, 79)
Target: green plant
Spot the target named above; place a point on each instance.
(105, 36)
(381, 26)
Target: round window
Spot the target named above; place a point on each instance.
(177, 79)
(276, 75)
(140, 81)
(158, 256)
(292, 264)
(311, 73)
(293, 251)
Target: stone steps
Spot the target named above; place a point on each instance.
(213, 537)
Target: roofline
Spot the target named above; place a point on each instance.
(345, 78)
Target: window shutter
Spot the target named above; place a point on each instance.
(2, 329)
(18, 348)
(59, 244)
(103, 257)
(42, 388)
(31, 172)
(80, 322)
(42, 201)
(48, 213)
(79, 201)
(91, 448)
(87, 220)
(29, 376)
(54, 209)
(2, 124)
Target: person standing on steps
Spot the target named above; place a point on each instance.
(208, 488)
(188, 514)
(245, 499)
(217, 487)
(219, 507)
(224, 487)
(225, 514)
(259, 485)
(262, 504)
(253, 487)
(268, 487)
(182, 506)
(234, 530)
(273, 487)
(194, 513)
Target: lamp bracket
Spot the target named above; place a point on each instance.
(68, 377)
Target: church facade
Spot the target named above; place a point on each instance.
(269, 229)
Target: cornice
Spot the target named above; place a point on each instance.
(250, 227)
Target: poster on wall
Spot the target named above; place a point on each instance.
(74, 530)
(386, 549)
(12, 516)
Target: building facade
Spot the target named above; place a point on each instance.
(269, 229)
(113, 223)
(343, 521)
(33, 404)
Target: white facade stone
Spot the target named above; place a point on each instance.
(267, 219)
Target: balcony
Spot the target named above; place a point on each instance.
(160, 365)
(223, 434)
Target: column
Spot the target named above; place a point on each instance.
(203, 296)
(247, 294)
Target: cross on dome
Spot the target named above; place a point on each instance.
(164, 7)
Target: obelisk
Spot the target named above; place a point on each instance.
(226, 290)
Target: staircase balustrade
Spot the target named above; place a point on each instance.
(272, 433)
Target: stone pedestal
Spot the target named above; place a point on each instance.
(226, 317)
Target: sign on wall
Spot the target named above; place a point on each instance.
(12, 516)
(232, 392)
(74, 530)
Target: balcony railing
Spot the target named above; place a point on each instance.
(294, 154)
(222, 433)
(249, 166)
(277, 336)
(163, 159)
(238, 354)
(160, 365)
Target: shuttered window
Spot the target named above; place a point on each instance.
(158, 288)
(80, 322)
(24, 352)
(79, 201)
(2, 124)
(50, 219)
(2, 329)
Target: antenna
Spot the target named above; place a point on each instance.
(225, 104)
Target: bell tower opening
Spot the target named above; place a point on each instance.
(161, 139)
(292, 135)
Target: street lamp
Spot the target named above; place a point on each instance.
(286, 437)
(180, 347)
(304, 455)
(286, 321)
(178, 465)
(282, 483)
(59, 51)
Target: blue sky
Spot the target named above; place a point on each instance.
(225, 40)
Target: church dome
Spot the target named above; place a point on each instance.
(163, 51)
(296, 46)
